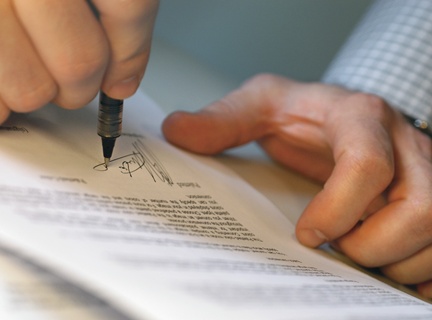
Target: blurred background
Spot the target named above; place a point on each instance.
(232, 40)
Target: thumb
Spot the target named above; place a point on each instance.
(238, 118)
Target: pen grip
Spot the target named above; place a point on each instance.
(109, 116)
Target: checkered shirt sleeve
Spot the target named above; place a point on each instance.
(389, 54)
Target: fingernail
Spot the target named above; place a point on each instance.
(311, 237)
(125, 88)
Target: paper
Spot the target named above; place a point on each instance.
(28, 291)
(163, 234)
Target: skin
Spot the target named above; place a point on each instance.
(65, 51)
(375, 168)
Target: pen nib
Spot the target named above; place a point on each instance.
(107, 161)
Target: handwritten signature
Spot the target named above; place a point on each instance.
(14, 128)
(140, 158)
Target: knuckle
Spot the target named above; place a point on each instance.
(261, 79)
(77, 69)
(368, 164)
(270, 90)
(79, 64)
(373, 103)
(372, 106)
(420, 221)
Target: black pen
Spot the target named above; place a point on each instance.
(109, 123)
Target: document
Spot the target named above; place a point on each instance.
(28, 291)
(164, 234)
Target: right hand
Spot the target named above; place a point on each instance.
(375, 205)
(61, 52)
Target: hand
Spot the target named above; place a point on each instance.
(376, 203)
(62, 52)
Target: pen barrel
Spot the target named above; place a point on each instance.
(109, 116)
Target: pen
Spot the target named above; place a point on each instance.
(109, 123)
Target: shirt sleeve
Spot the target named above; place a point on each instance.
(389, 54)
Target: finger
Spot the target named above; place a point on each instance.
(253, 111)
(25, 83)
(4, 112)
(240, 117)
(402, 228)
(413, 270)
(389, 235)
(209, 131)
(377, 204)
(129, 27)
(71, 44)
(302, 160)
(363, 166)
(425, 289)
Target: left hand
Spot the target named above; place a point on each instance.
(376, 201)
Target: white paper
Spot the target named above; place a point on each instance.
(29, 292)
(163, 234)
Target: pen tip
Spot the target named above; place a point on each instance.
(107, 161)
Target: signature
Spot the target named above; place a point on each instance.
(14, 128)
(140, 158)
